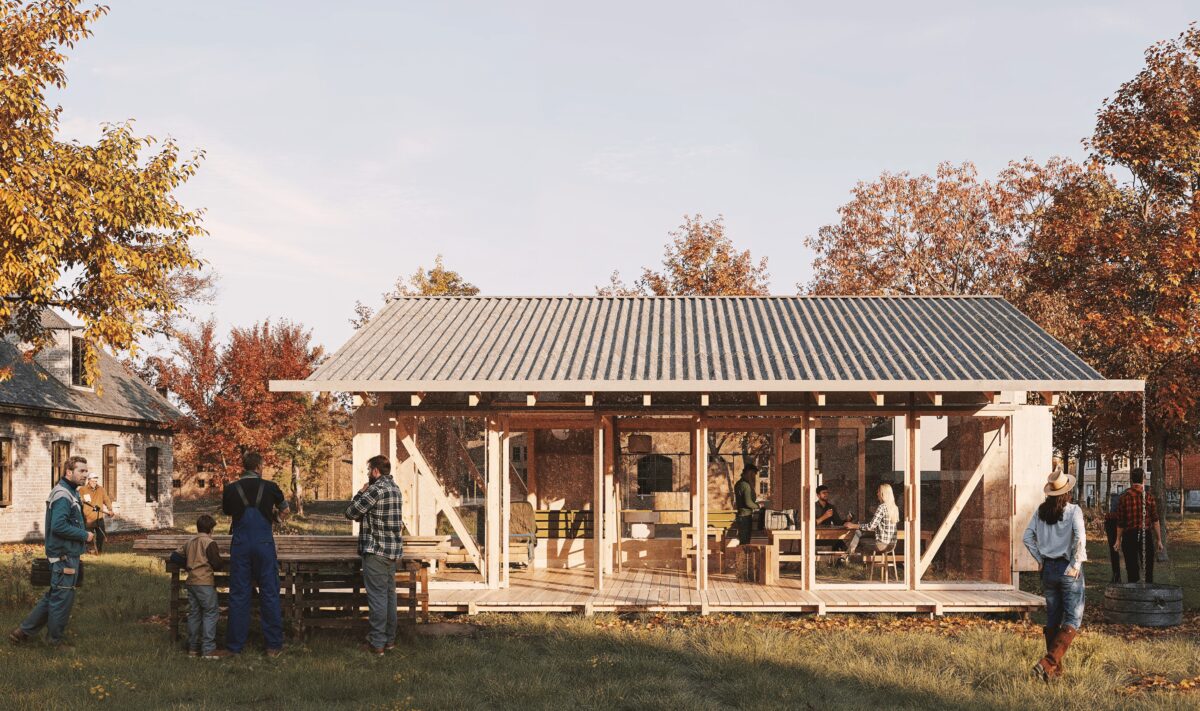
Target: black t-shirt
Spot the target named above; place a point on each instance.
(833, 520)
(272, 497)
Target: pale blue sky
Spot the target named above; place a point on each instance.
(539, 146)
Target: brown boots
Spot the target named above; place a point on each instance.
(1058, 640)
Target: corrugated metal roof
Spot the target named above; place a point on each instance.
(686, 343)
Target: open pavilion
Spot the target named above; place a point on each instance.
(613, 428)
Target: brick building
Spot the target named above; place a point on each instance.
(49, 413)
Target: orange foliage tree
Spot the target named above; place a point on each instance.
(946, 234)
(700, 260)
(1121, 243)
(223, 392)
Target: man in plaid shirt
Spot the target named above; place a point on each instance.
(1137, 519)
(377, 508)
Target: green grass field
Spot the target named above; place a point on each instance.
(122, 657)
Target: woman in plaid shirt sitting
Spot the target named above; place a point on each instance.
(883, 524)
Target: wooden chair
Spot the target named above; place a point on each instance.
(885, 560)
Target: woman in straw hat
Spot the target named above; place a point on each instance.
(1055, 538)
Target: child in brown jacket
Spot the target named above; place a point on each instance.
(201, 557)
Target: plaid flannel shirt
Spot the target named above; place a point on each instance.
(1129, 510)
(885, 531)
(379, 511)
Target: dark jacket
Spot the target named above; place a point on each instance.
(65, 532)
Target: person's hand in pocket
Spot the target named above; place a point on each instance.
(1072, 572)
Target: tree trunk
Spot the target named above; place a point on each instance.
(1182, 491)
(297, 490)
(1108, 481)
(1158, 480)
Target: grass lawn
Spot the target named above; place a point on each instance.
(122, 657)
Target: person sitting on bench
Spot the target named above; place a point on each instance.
(827, 515)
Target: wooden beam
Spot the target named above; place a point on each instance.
(959, 505)
(992, 397)
(912, 508)
(935, 398)
(426, 476)
(1050, 398)
(878, 399)
(589, 400)
(819, 398)
(531, 399)
(703, 399)
(531, 471)
(762, 399)
(415, 399)
(647, 400)
(473, 400)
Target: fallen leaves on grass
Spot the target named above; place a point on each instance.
(1142, 682)
(159, 620)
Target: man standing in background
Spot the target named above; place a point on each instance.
(377, 507)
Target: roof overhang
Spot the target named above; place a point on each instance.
(726, 386)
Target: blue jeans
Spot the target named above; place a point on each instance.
(54, 609)
(1064, 594)
(202, 618)
(379, 578)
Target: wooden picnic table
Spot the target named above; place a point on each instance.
(320, 577)
(776, 554)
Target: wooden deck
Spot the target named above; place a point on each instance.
(650, 590)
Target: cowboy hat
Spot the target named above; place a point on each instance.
(1058, 483)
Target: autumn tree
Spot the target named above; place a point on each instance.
(223, 390)
(96, 230)
(319, 433)
(700, 260)
(1122, 240)
(946, 234)
(438, 281)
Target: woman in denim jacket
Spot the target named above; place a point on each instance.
(1055, 538)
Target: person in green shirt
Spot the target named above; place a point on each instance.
(745, 502)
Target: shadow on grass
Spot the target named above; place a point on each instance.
(550, 661)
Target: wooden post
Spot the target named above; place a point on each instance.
(612, 534)
(492, 497)
(702, 475)
(597, 504)
(505, 504)
(912, 546)
(531, 471)
(694, 504)
(808, 478)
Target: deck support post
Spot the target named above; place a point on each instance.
(493, 485)
(598, 445)
(700, 499)
(612, 522)
(912, 507)
(505, 502)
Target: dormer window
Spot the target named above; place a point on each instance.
(78, 376)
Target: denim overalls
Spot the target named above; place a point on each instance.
(252, 563)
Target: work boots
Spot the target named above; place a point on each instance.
(1050, 666)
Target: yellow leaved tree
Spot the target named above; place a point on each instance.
(94, 230)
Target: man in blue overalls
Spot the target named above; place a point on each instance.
(253, 503)
(66, 539)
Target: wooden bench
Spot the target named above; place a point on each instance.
(320, 578)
